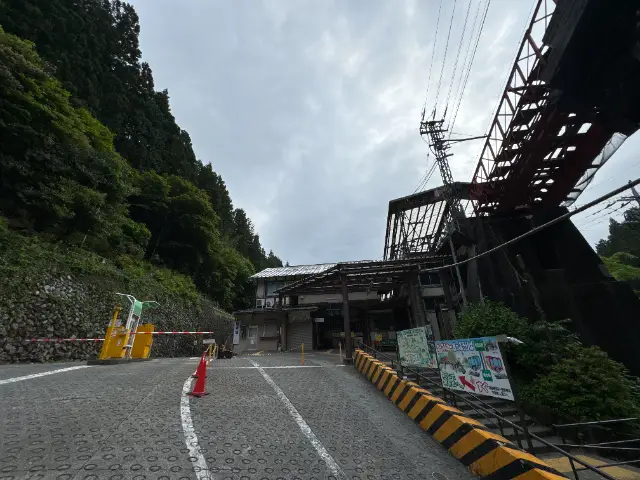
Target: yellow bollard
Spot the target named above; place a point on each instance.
(209, 354)
(107, 335)
(142, 343)
(302, 360)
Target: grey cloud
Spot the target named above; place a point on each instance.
(310, 110)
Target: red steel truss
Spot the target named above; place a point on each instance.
(537, 152)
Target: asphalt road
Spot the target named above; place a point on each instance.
(260, 421)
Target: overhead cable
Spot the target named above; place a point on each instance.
(559, 219)
(455, 64)
(466, 54)
(426, 177)
(444, 57)
(473, 56)
(433, 54)
(605, 216)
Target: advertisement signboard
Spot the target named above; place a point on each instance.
(414, 350)
(474, 365)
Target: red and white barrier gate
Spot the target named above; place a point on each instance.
(60, 340)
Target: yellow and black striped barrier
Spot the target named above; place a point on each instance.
(485, 453)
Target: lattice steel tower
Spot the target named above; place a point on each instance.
(440, 147)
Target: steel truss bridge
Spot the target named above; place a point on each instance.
(571, 100)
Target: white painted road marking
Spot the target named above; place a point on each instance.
(306, 429)
(200, 464)
(279, 366)
(42, 374)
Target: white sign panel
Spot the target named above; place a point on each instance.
(236, 333)
(319, 320)
(414, 349)
(474, 365)
(209, 341)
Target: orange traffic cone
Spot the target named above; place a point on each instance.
(198, 389)
(202, 358)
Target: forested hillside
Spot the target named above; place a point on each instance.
(91, 156)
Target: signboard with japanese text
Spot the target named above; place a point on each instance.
(474, 365)
(414, 348)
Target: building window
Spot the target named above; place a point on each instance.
(273, 286)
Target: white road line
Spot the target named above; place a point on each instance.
(280, 366)
(306, 429)
(42, 374)
(200, 464)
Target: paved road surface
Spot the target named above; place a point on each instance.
(261, 420)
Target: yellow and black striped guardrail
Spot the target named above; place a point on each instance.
(485, 453)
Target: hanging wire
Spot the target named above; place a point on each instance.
(427, 176)
(605, 216)
(444, 58)
(421, 182)
(455, 65)
(473, 55)
(433, 54)
(476, 16)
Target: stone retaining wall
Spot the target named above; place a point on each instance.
(61, 305)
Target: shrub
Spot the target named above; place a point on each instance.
(543, 342)
(585, 386)
(492, 318)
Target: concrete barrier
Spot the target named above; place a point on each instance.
(485, 453)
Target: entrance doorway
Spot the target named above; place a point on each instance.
(253, 338)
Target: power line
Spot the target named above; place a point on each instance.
(426, 177)
(466, 53)
(473, 56)
(605, 216)
(423, 176)
(559, 219)
(455, 65)
(433, 54)
(444, 58)
(609, 205)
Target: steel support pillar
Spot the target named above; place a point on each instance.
(348, 341)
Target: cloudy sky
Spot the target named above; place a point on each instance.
(310, 109)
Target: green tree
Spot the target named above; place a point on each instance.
(212, 183)
(58, 169)
(67, 146)
(623, 236)
(623, 266)
(585, 386)
(179, 216)
(552, 369)
(542, 341)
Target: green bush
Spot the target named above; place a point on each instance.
(543, 342)
(27, 256)
(492, 318)
(585, 386)
(552, 370)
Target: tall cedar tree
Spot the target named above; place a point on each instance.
(92, 47)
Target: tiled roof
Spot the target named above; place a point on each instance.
(293, 270)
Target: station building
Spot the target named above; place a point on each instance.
(305, 304)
